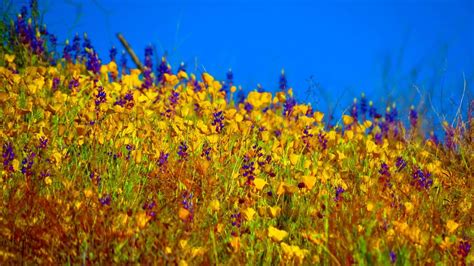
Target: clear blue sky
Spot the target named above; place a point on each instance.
(379, 47)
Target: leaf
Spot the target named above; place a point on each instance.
(259, 183)
(276, 234)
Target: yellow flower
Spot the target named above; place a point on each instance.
(451, 226)
(9, 58)
(370, 206)
(347, 120)
(183, 214)
(48, 180)
(214, 205)
(309, 181)
(259, 183)
(249, 213)
(318, 116)
(294, 158)
(274, 211)
(276, 234)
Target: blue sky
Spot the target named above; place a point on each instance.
(343, 48)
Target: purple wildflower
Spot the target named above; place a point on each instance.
(188, 204)
(100, 97)
(27, 164)
(236, 219)
(339, 191)
(95, 178)
(283, 82)
(413, 117)
(93, 62)
(363, 104)
(449, 138)
(393, 257)
(8, 155)
(464, 248)
(183, 151)
(248, 107)
(385, 175)
(113, 53)
(43, 142)
(123, 62)
(162, 69)
(55, 84)
(218, 121)
(248, 169)
(400, 163)
(163, 158)
(105, 200)
(354, 109)
(422, 179)
(323, 142)
(148, 57)
(67, 52)
(288, 106)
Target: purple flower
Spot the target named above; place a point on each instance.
(148, 57)
(105, 200)
(182, 150)
(413, 117)
(76, 46)
(188, 204)
(112, 53)
(174, 98)
(27, 164)
(218, 121)
(422, 179)
(288, 106)
(206, 150)
(449, 138)
(283, 81)
(100, 97)
(123, 62)
(248, 107)
(93, 62)
(385, 175)
(163, 69)
(339, 191)
(354, 109)
(248, 169)
(393, 257)
(8, 155)
(372, 110)
(163, 159)
(323, 142)
(67, 52)
(464, 248)
(277, 133)
(55, 84)
(363, 104)
(95, 178)
(43, 142)
(400, 163)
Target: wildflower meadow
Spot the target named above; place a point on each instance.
(106, 161)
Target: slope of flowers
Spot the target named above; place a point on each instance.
(161, 167)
